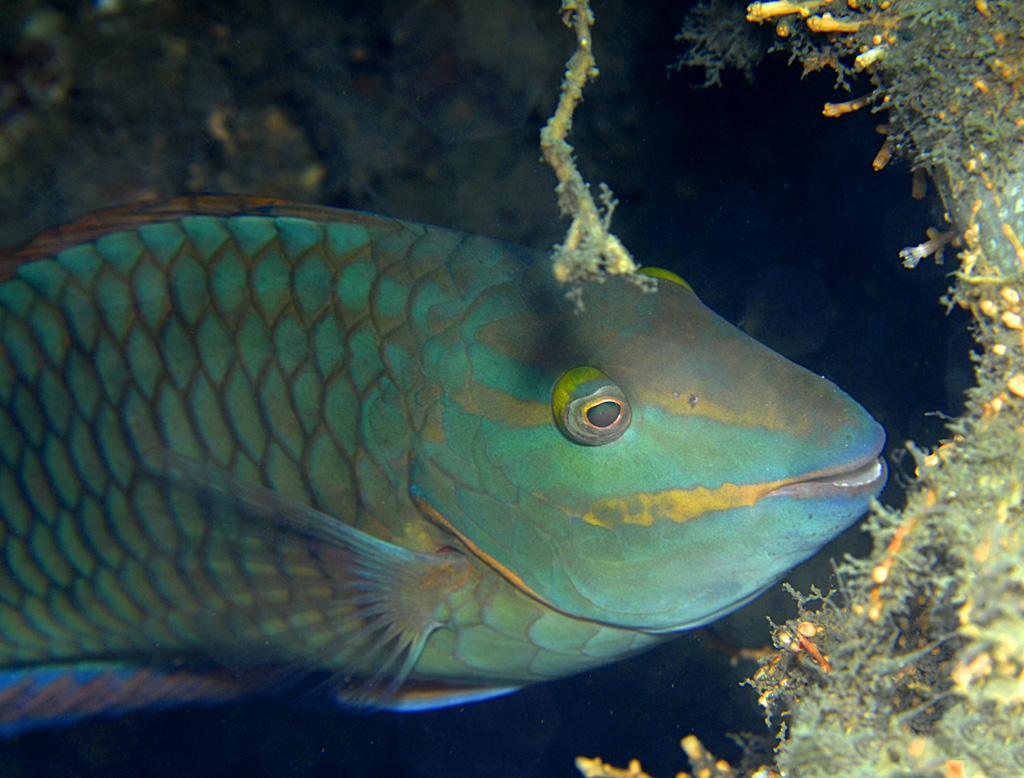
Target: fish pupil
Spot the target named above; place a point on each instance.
(604, 414)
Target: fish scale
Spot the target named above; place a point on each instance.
(243, 439)
(179, 401)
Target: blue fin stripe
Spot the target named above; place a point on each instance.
(61, 695)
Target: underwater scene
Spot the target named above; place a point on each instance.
(566, 520)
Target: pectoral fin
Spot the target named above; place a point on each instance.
(316, 594)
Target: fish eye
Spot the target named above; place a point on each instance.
(589, 407)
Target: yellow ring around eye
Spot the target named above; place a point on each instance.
(668, 275)
(589, 408)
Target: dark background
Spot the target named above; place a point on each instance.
(431, 111)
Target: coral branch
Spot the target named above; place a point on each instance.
(589, 250)
(759, 12)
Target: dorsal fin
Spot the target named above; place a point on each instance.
(126, 217)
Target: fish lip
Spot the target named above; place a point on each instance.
(865, 475)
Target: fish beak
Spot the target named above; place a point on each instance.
(864, 475)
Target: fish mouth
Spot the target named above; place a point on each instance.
(866, 475)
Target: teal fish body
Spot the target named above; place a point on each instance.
(244, 441)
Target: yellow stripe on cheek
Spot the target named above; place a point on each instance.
(677, 505)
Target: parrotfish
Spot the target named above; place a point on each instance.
(254, 447)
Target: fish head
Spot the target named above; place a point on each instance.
(640, 463)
